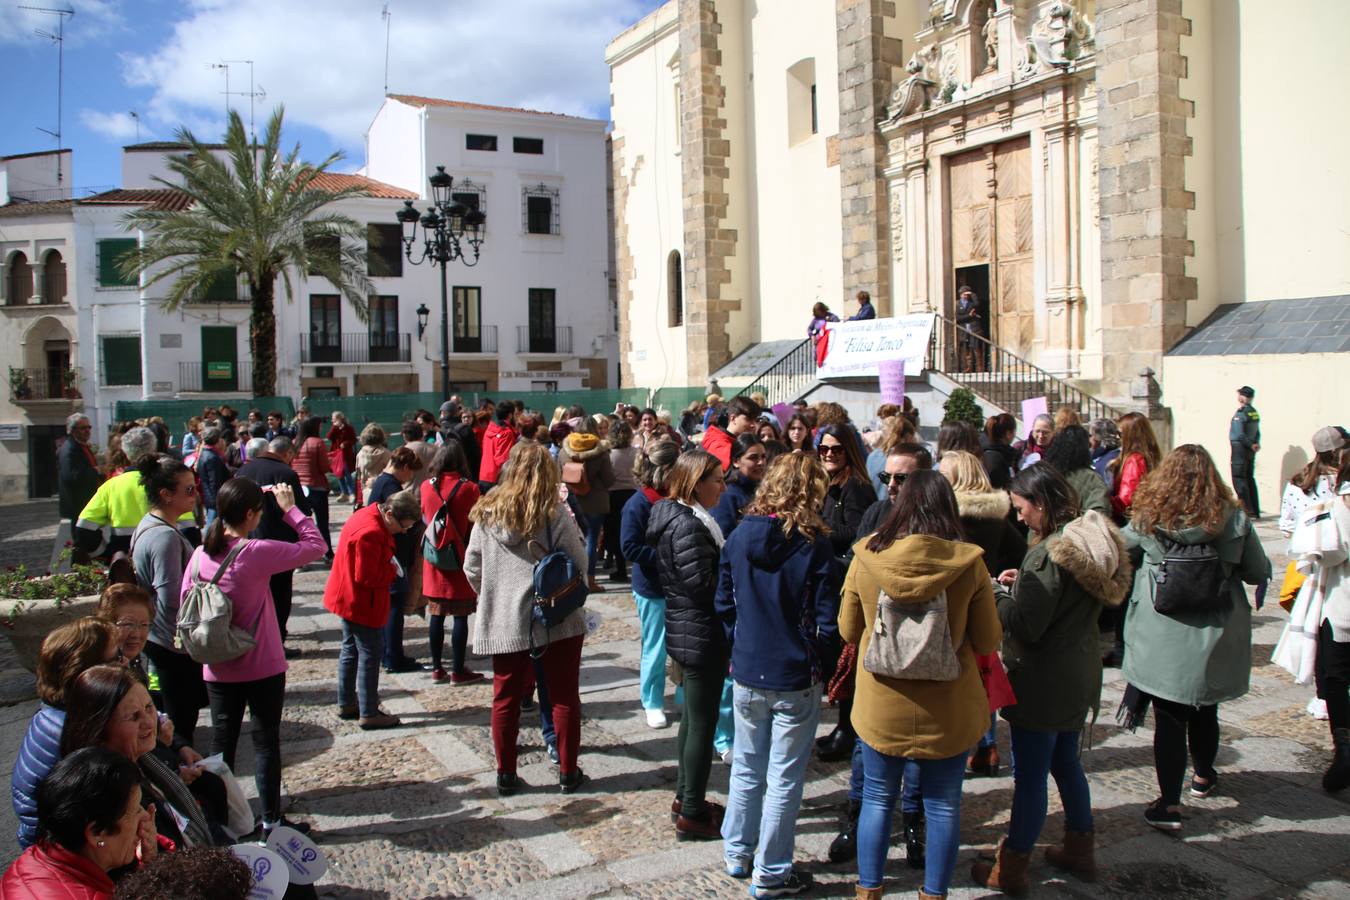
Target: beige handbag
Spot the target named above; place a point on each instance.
(912, 641)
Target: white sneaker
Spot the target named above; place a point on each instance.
(656, 718)
(726, 756)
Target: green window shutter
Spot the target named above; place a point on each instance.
(121, 360)
(110, 251)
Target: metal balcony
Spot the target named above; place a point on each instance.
(356, 347)
(557, 341)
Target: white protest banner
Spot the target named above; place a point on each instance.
(305, 861)
(270, 875)
(856, 349)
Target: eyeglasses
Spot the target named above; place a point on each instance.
(830, 449)
(887, 477)
(190, 489)
(134, 626)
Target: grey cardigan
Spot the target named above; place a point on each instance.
(500, 568)
(161, 555)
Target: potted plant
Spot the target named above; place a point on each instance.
(20, 388)
(70, 384)
(30, 607)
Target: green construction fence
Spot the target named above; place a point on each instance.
(176, 413)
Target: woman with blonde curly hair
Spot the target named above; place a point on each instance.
(778, 602)
(372, 457)
(519, 518)
(1189, 660)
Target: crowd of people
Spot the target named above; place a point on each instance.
(779, 563)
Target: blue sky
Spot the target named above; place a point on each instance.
(324, 59)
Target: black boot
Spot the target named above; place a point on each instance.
(839, 745)
(1337, 778)
(915, 837)
(845, 843)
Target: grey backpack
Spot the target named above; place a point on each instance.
(913, 641)
(205, 630)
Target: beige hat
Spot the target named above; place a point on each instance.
(1328, 438)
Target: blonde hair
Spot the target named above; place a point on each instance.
(691, 468)
(1066, 416)
(965, 472)
(897, 430)
(559, 414)
(524, 500)
(794, 490)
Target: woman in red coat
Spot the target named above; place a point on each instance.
(312, 467)
(358, 593)
(448, 593)
(342, 446)
(92, 823)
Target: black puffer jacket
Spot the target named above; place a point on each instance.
(687, 558)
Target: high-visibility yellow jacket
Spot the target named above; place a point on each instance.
(118, 506)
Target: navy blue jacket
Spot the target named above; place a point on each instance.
(778, 599)
(213, 472)
(40, 751)
(727, 513)
(633, 544)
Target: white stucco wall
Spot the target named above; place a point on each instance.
(1280, 181)
(1296, 396)
(644, 74)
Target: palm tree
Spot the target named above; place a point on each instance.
(257, 214)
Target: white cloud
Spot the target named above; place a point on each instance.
(93, 20)
(326, 61)
(117, 126)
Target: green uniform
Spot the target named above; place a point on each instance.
(1244, 432)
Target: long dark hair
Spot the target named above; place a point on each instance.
(309, 428)
(1041, 484)
(958, 436)
(90, 701)
(845, 435)
(234, 501)
(1070, 450)
(1323, 462)
(808, 443)
(450, 458)
(739, 447)
(925, 505)
(90, 786)
(159, 473)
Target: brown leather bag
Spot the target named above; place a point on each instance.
(574, 476)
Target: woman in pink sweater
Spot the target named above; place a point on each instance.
(258, 678)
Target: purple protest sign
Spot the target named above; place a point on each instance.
(891, 374)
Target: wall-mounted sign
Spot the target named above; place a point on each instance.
(11, 432)
(161, 387)
(220, 371)
(546, 373)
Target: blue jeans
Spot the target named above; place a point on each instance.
(911, 801)
(1036, 756)
(774, 734)
(347, 484)
(652, 623)
(359, 667)
(594, 523)
(990, 737)
(546, 729)
(940, 781)
(725, 733)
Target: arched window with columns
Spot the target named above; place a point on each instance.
(18, 279)
(53, 278)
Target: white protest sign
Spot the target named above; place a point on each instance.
(270, 875)
(305, 861)
(857, 349)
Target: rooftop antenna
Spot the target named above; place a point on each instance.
(226, 68)
(252, 95)
(60, 40)
(137, 117)
(388, 17)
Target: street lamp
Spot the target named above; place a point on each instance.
(422, 314)
(444, 225)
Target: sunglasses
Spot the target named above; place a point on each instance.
(887, 477)
(830, 449)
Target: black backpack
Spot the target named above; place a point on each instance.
(1191, 580)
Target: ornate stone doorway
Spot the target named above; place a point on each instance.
(990, 210)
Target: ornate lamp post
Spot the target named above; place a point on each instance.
(444, 225)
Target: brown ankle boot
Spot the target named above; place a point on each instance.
(1075, 856)
(1007, 872)
(862, 893)
(984, 761)
(924, 895)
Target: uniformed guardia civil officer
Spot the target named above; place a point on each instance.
(1244, 437)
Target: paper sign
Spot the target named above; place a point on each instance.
(784, 412)
(891, 373)
(270, 875)
(857, 348)
(304, 860)
(1036, 406)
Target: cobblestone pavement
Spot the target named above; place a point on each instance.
(413, 813)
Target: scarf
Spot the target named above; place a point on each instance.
(197, 833)
(708, 522)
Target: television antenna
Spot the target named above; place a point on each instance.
(388, 17)
(59, 38)
(251, 93)
(136, 117)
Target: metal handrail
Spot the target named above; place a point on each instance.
(1003, 378)
(788, 378)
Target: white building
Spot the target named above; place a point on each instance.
(534, 314)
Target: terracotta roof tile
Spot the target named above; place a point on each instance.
(414, 100)
(335, 181)
(17, 208)
(158, 198)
